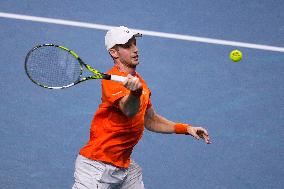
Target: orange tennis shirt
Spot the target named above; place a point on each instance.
(114, 135)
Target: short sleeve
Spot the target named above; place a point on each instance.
(112, 91)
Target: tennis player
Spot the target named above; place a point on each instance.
(105, 161)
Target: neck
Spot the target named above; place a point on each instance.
(125, 68)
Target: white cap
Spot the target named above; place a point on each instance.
(119, 35)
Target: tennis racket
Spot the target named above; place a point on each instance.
(57, 67)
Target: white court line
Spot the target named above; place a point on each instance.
(144, 32)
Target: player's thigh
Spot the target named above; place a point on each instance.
(88, 173)
(134, 177)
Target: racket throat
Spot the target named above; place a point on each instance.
(101, 76)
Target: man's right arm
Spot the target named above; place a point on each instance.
(130, 104)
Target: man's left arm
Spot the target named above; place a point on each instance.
(156, 123)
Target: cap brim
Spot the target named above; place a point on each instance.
(137, 35)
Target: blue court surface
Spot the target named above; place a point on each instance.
(240, 104)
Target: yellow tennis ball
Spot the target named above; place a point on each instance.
(236, 55)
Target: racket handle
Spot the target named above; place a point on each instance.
(118, 78)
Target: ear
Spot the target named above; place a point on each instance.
(114, 53)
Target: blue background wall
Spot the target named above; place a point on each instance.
(241, 104)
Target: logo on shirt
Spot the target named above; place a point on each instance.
(114, 94)
(117, 93)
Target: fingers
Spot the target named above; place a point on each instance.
(204, 135)
(193, 132)
(206, 139)
(199, 132)
(132, 83)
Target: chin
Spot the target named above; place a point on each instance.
(134, 64)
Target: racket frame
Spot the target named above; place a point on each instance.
(97, 74)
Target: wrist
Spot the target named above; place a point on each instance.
(181, 128)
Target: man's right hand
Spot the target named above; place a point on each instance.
(132, 83)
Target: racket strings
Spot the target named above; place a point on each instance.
(51, 66)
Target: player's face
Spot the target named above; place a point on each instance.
(128, 53)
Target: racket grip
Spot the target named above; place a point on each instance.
(118, 78)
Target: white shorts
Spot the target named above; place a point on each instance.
(90, 174)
